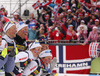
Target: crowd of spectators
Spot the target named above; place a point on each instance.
(73, 20)
(69, 21)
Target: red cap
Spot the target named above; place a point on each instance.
(80, 14)
(97, 20)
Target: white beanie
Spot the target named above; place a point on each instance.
(34, 45)
(16, 13)
(94, 27)
(56, 28)
(20, 25)
(1, 7)
(45, 53)
(8, 26)
(81, 25)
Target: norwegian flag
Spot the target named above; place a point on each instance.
(46, 17)
(71, 59)
(36, 5)
(55, 11)
(50, 1)
(35, 21)
(6, 19)
(93, 50)
(58, 1)
(67, 5)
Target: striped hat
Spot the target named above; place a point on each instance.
(8, 25)
(20, 25)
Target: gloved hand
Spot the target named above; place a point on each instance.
(12, 53)
(53, 63)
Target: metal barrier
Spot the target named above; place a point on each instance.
(62, 42)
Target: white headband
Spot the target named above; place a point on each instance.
(34, 45)
(95, 27)
(20, 25)
(8, 26)
(45, 53)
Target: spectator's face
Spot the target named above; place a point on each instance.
(23, 32)
(71, 28)
(99, 35)
(74, 18)
(81, 16)
(33, 28)
(93, 8)
(46, 25)
(61, 16)
(41, 31)
(82, 23)
(64, 8)
(96, 22)
(15, 16)
(47, 60)
(97, 13)
(81, 28)
(42, 26)
(50, 30)
(32, 15)
(44, 47)
(93, 16)
(74, 10)
(12, 31)
(94, 30)
(69, 12)
(44, 11)
(73, 1)
(86, 15)
(69, 21)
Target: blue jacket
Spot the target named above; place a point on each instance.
(32, 34)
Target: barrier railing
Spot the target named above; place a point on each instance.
(63, 42)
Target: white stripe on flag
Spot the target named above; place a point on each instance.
(57, 53)
(72, 69)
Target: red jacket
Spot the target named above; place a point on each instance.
(69, 34)
(50, 35)
(57, 36)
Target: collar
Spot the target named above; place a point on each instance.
(42, 62)
(95, 33)
(19, 39)
(31, 55)
(8, 39)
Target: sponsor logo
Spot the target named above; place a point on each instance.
(32, 68)
(23, 58)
